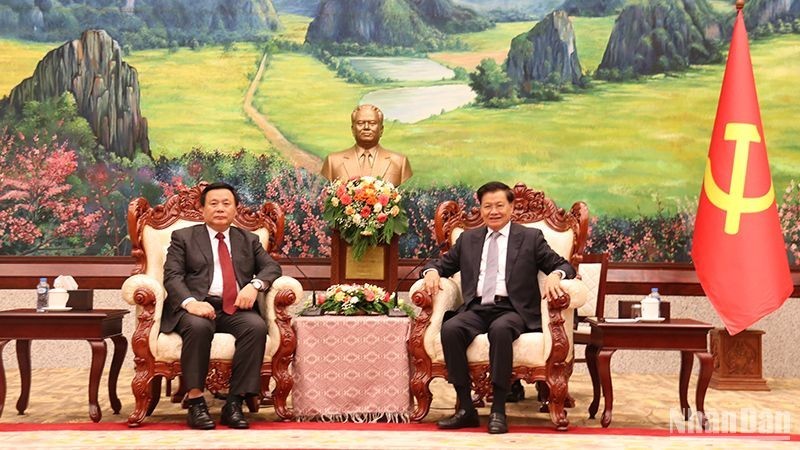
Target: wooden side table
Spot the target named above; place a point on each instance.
(687, 336)
(24, 325)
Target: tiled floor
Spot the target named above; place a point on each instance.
(642, 402)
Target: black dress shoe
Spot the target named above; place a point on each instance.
(199, 418)
(517, 393)
(233, 417)
(461, 419)
(497, 423)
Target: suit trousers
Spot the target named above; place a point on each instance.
(503, 325)
(250, 331)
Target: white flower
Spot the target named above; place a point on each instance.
(353, 299)
(377, 207)
(335, 201)
(356, 219)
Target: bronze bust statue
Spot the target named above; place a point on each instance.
(367, 157)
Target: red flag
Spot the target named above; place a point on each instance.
(738, 247)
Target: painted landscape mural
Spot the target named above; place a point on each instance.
(607, 102)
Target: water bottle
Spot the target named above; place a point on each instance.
(42, 290)
(654, 293)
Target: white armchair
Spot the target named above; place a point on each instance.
(543, 356)
(156, 354)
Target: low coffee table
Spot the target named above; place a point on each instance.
(94, 326)
(688, 336)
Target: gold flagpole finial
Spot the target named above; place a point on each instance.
(739, 4)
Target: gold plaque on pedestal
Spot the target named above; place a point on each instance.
(378, 266)
(369, 267)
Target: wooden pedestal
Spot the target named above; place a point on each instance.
(378, 266)
(737, 361)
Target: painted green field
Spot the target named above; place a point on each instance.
(294, 27)
(617, 147)
(308, 103)
(591, 38)
(194, 99)
(18, 60)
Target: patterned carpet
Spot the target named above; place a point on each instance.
(645, 416)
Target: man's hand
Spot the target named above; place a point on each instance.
(246, 297)
(432, 280)
(202, 309)
(552, 286)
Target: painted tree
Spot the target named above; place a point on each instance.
(38, 211)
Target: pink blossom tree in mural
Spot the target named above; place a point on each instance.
(38, 213)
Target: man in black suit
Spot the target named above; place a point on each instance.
(212, 275)
(498, 265)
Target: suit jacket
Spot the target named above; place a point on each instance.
(392, 167)
(527, 254)
(190, 266)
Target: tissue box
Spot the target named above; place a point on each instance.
(81, 299)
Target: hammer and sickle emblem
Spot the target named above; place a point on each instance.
(734, 203)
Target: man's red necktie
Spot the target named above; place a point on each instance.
(229, 289)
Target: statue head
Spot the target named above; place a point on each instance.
(367, 125)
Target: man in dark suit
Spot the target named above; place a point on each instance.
(498, 265)
(212, 275)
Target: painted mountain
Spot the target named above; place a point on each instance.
(537, 8)
(661, 36)
(396, 23)
(547, 52)
(139, 23)
(592, 8)
(105, 89)
(763, 12)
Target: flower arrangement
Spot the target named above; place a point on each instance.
(366, 211)
(349, 299)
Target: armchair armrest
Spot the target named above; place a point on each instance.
(282, 343)
(148, 295)
(144, 284)
(577, 290)
(428, 324)
(557, 322)
(283, 293)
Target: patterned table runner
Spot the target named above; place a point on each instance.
(351, 368)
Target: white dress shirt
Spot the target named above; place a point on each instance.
(215, 289)
(502, 253)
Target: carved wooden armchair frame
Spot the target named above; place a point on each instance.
(530, 206)
(145, 290)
